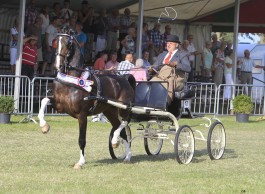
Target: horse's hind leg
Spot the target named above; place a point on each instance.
(43, 124)
(82, 140)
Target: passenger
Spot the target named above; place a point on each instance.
(138, 71)
(125, 66)
(174, 64)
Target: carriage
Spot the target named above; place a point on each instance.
(156, 122)
(81, 93)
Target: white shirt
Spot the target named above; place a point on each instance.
(45, 23)
(247, 64)
(191, 49)
(52, 31)
(173, 53)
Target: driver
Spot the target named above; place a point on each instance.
(173, 65)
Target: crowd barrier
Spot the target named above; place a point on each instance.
(209, 99)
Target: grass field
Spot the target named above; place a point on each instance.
(32, 162)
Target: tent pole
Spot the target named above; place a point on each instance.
(140, 30)
(235, 44)
(19, 52)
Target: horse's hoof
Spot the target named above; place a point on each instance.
(115, 145)
(45, 128)
(126, 161)
(77, 166)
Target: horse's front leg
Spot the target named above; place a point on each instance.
(43, 124)
(116, 134)
(82, 141)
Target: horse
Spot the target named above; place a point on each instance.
(78, 92)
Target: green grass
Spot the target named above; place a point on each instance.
(32, 162)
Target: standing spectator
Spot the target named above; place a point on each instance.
(81, 36)
(138, 71)
(44, 15)
(101, 61)
(228, 75)
(156, 41)
(164, 37)
(31, 13)
(125, 66)
(13, 46)
(128, 44)
(101, 31)
(228, 48)
(145, 38)
(72, 23)
(113, 27)
(215, 44)
(125, 23)
(85, 15)
(207, 60)
(66, 13)
(29, 56)
(193, 53)
(56, 12)
(51, 33)
(112, 64)
(35, 30)
(219, 64)
(245, 66)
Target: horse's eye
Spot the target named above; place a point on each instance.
(55, 43)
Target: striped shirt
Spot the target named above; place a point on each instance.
(247, 65)
(29, 55)
(124, 67)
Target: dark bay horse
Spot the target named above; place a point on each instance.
(77, 96)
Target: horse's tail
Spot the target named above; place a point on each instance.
(130, 78)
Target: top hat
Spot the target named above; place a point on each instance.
(173, 38)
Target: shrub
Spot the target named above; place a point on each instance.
(243, 104)
(6, 104)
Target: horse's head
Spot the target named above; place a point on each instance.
(67, 47)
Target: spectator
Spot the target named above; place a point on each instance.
(56, 12)
(112, 64)
(72, 23)
(31, 13)
(156, 41)
(207, 60)
(35, 30)
(192, 55)
(245, 66)
(228, 75)
(101, 31)
(13, 46)
(228, 48)
(51, 33)
(125, 66)
(81, 36)
(145, 38)
(219, 64)
(66, 13)
(29, 56)
(100, 62)
(215, 44)
(44, 15)
(164, 37)
(113, 27)
(146, 64)
(128, 44)
(85, 15)
(138, 71)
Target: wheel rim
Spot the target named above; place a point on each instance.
(217, 141)
(185, 145)
(153, 144)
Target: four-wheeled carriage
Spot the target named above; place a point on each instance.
(157, 121)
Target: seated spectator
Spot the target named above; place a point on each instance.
(128, 44)
(29, 56)
(146, 64)
(138, 71)
(112, 64)
(100, 62)
(125, 66)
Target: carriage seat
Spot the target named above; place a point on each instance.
(151, 94)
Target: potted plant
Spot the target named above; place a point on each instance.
(6, 108)
(243, 106)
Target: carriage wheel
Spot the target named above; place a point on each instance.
(184, 145)
(119, 152)
(152, 143)
(216, 141)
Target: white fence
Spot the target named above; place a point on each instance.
(209, 98)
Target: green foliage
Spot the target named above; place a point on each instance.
(243, 104)
(6, 104)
